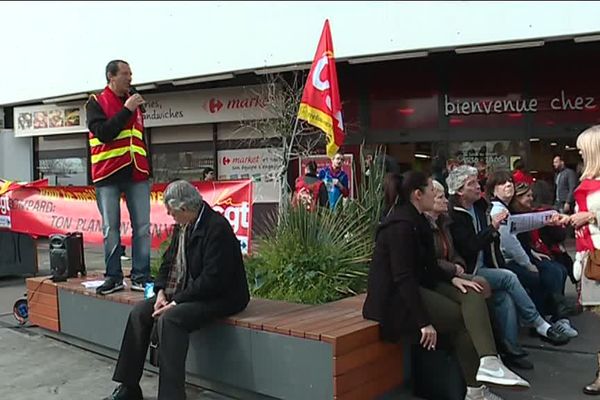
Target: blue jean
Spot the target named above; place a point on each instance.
(553, 275)
(511, 301)
(531, 281)
(549, 280)
(137, 197)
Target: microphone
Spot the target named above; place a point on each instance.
(133, 91)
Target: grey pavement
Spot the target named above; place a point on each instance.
(34, 365)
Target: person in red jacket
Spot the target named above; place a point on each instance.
(310, 191)
(519, 174)
(119, 161)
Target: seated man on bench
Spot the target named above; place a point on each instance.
(201, 279)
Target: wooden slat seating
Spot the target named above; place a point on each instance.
(42, 299)
(363, 366)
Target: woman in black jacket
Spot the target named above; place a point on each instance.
(409, 295)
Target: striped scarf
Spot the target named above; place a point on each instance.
(178, 271)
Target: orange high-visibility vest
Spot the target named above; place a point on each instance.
(128, 147)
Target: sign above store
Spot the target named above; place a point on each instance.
(49, 119)
(561, 102)
(207, 106)
(162, 109)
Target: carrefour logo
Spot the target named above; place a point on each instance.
(214, 105)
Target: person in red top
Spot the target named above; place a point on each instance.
(119, 165)
(519, 174)
(310, 191)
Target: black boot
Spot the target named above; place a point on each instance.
(511, 350)
(517, 362)
(561, 307)
(123, 392)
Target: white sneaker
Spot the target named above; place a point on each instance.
(564, 326)
(481, 393)
(492, 370)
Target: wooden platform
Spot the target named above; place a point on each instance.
(42, 298)
(362, 367)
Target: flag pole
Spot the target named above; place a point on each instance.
(287, 160)
(294, 131)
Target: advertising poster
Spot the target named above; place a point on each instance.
(259, 165)
(322, 161)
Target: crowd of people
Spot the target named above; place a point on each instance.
(457, 267)
(446, 260)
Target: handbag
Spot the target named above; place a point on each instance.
(592, 266)
(153, 357)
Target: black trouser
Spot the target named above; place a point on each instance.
(174, 328)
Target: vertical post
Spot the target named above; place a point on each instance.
(287, 153)
(215, 139)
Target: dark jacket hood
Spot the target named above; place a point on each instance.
(402, 213)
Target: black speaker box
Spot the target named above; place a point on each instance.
(66, 256)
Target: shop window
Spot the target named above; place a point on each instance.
(180, 163)
(543, 152)
(349, 84)
(63, 171)
(403, 95)
(488, 156)
(566, 86)
(486, 91)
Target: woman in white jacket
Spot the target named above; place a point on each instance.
(587, 214)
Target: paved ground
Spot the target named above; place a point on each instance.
(34, 366)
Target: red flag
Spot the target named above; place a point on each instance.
(321, 105)
(7, 186)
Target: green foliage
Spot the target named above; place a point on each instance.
(157, 258)
(322, 256)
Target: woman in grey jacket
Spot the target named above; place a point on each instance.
(541, 279)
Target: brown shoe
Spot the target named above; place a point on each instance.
(593, 388)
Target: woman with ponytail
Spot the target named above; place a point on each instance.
(410, 295)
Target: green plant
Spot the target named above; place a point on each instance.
(318, 257)
(157, 257)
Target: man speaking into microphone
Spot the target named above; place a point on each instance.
(119, 165)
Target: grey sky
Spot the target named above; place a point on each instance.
(58, 48)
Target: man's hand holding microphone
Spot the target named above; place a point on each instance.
(135, 100)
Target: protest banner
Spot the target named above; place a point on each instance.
(62, 209)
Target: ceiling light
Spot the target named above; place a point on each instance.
(201, 79)
(496, 47)
(148, 86)
(388, 57)
(63, 99)
(277, 70)
(534, 139)
(584, 39)
(419, 155)
(553, 144)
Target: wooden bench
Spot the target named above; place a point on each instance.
(319, 352)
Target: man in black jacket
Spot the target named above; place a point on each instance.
(477, 240)
(201, 278)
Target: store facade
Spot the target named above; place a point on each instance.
(489, 107)
(187, 132)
